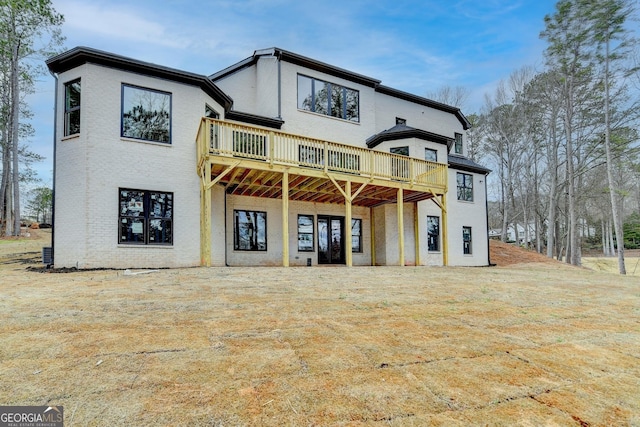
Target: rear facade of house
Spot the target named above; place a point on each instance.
(278, 160)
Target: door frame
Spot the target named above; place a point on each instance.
(330, 259)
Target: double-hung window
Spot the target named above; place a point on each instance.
(145, 217)
(465, 186)
(72, 108)
(328, 98)
(146, 114)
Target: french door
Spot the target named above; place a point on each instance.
(330, 239)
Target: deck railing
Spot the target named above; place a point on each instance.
(222, 138)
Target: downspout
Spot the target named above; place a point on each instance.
(226, 248)
(53, 191)
(279, 87)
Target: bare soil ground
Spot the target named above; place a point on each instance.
(530, 342)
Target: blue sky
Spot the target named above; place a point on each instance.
(411, 45)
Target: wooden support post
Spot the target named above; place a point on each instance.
(205, 216)
(416, 231)
(373, 237)
(400, 226)
(445, 234)
(285, 219)
(347, 246)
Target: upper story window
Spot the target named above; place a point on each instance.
(146, 114)
(457, 148)
(210, 112)
(465, 186)
(401, 121)
(72, 108)
(431, 155)
(328, 98)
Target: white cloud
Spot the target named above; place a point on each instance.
(115, 23)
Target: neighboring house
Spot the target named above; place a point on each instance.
(277, 160)
(522, 239)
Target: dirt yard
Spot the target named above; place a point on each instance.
(531, 342)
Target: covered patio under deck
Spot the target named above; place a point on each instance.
(261, 162)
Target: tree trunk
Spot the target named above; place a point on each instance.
(15, 127)
(616, 209)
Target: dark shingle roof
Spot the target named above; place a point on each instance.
(462, 163)
(402, 131)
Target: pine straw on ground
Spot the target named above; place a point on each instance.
(520, 344)
(504, 254)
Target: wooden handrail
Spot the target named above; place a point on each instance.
(226, 138)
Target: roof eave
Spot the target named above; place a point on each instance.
(81, 55)
(426, 102)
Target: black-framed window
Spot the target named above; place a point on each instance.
(146, 114)
(145, 217)
(401, 121)
(466, 241)
(403, 151)
(305, 233)
(356, 235)
(72, 107)
(249, 230)
(431, 155)
(457, 147)
(328, 98)
(465, 186)
(433, 231)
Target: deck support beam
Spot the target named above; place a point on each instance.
(400, 207)
(285, 219)
(416, 232)
(445, 244)
(205, 216)
(347, 245)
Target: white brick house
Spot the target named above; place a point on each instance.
(276, 160)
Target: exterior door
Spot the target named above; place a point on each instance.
(330, 240)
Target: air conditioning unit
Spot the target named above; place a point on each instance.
(47, 255)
